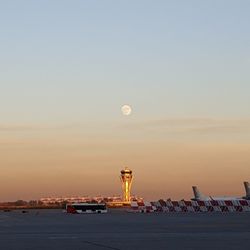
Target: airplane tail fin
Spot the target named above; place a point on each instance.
(247, 187)
(197, 194)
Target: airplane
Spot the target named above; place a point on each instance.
(247, 188)
(198, 196)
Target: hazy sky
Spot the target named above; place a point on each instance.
(67, 67)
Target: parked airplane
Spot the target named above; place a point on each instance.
(247, 188)
(198, 196)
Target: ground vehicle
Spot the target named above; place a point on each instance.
(86, 208)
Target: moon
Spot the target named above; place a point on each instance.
(126, 109)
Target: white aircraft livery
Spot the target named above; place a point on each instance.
(247, 188)
(198, 196)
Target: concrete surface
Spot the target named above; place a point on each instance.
(52, 229)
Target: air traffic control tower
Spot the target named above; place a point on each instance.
(126, 179)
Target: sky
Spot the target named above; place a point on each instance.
(67, 67)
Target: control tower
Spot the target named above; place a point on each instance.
(126, 179)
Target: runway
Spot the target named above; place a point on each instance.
(118, 230)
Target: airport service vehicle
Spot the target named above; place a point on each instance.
(86, 208)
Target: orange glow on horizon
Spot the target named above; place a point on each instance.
(72, 163)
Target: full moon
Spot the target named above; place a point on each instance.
(126, 110)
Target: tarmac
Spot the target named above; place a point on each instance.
(119, 230)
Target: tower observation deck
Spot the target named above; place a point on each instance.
(126, 180)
